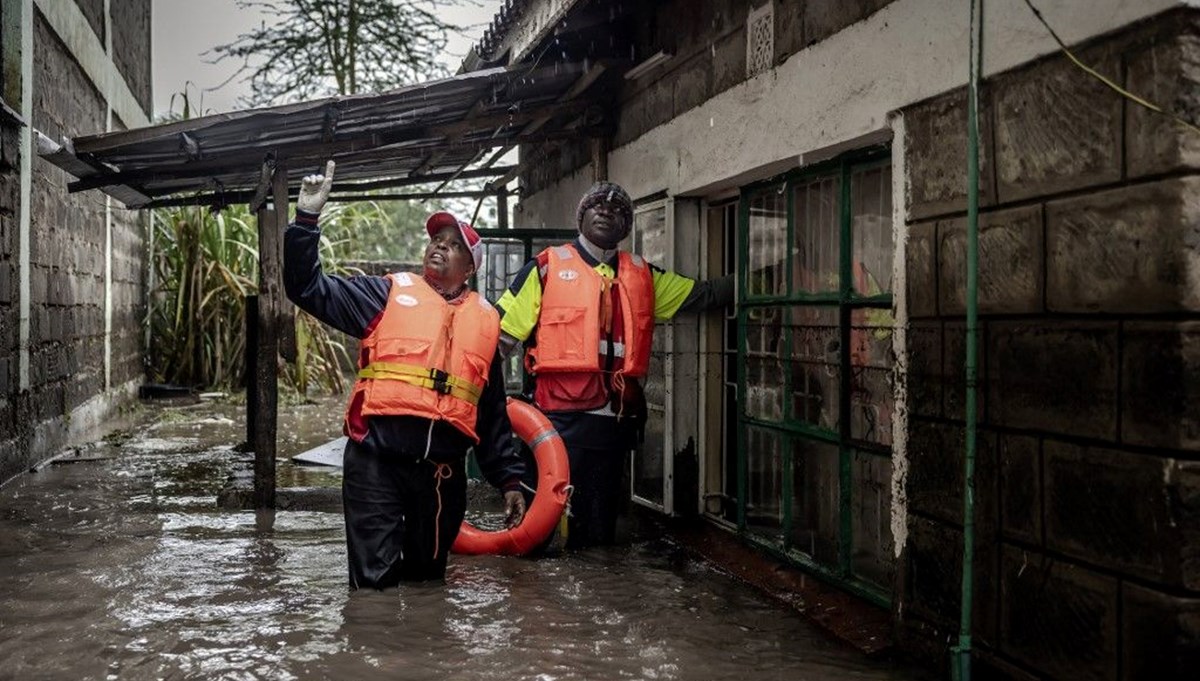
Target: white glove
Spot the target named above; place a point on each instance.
(314, 190)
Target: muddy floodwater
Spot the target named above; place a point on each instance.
(116, 563)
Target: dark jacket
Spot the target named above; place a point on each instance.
(354, 305)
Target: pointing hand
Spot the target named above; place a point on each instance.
(314, 190)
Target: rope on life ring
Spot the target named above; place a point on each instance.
(553, 485)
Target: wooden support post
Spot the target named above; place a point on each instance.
(599, 159)
(502, 208)
(267, 371)
(251, 358)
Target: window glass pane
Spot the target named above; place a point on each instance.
(871, 230)
(764, 481)
(817, 235)
(650, 235)
(764, 363)
(767, 244)
(815, 502)
(872, 556)
(871, 360)
(815, 371)
(650, 240)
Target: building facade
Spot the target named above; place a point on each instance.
(817, 150)
(72, 281)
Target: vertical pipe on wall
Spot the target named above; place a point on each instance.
(961, 665)
(25, 216)
(108, 212)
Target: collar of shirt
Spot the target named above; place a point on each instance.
(454, 298)
(596, 255)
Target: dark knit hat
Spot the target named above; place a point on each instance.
(606, 192)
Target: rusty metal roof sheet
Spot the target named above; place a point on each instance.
(429, 129)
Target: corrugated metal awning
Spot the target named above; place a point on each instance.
(425, 132)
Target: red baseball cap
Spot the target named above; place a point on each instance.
(441, 220)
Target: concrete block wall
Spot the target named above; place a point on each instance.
(1088, 475)
(85, 344)
(9, 286)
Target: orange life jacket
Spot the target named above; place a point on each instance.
(576, 315)
(427, 357)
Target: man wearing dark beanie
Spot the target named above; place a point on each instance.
(586, 313)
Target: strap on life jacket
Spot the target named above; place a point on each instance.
(423, 377)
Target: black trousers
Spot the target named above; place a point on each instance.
(596, 449)
(402, 516)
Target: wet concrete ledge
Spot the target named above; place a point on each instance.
(323, 499)
(854, 621)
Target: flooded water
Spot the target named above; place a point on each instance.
(121, 567)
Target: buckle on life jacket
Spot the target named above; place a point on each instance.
(441, 381)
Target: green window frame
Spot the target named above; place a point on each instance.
(808, 314)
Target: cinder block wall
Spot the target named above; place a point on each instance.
(1088, 487)
(68, 243)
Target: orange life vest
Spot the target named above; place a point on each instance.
(576, 315)
(427, 357)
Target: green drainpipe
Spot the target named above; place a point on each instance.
(961, 657)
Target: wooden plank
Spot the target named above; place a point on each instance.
(502, 208)
(242, 195)
(267, 368)
(579, 87)
(599, 159)
(250, 353)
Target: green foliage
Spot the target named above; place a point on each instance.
(204, 265)
(389, 231)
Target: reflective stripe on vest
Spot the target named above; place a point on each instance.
(618, 348)
(426, 357)
(424, 377)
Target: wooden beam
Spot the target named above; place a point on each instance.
(577, 88)
(599, 159)
(333, 114)
(250, 356)
(270, 270)
(189, 146)
(437, 155)
(502, 208)
(237, 196)
(412, 196)
(264, 184)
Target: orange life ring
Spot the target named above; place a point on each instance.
(552, 482)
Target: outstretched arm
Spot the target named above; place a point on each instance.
(348, 304)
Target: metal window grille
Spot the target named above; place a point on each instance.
(815, 361)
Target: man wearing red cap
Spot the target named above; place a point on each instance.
(429, 388)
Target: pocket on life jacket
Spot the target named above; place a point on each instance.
(562, 335)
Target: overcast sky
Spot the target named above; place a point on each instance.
(185, 29)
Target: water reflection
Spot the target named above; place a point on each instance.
(125, 569)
